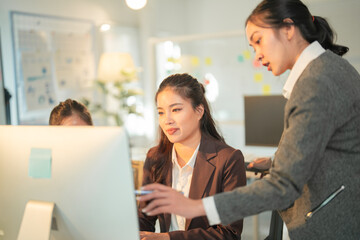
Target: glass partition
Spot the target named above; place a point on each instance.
(224, 63)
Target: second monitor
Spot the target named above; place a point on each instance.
(264, 120)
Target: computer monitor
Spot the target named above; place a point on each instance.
(91, 181)
(264, 120)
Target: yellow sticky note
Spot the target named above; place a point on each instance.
(266, 89)
(208, 61)
(195, 61)
(258, 77)
(170, 59)
(247, 54)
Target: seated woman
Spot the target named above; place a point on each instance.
(70, 113)
(193, 158)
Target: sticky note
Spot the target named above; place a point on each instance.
(208, 61)
(195, 61)
(247, 54)
(40, 163)
(258, 77)
(256, 63)
(266, 89)
(240, 58)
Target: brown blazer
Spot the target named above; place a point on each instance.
(218, 168)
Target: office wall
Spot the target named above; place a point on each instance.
(344, 17)
(2, 101)
(219, 16)
(2, 107)
(166, 18)
(204, 16)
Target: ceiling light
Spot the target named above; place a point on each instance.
(136, 4)
(105, 27)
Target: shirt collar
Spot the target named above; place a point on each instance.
(308, 54)
(190, 163)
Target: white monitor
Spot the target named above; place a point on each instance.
(91, 181)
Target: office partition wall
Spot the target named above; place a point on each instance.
(2, 92)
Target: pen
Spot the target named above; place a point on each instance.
(144, 192)
(324, 203)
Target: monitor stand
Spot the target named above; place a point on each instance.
(36, 222)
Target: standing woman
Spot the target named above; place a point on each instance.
(315, 177)
(192, 158)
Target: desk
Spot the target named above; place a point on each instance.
(137, 167)
(251, 177)
(255, 218)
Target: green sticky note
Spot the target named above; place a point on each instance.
(240, 58)
(40, 163)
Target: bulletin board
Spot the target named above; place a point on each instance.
(54, 60)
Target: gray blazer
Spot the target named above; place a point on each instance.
(318, 153)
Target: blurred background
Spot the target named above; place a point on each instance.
(112, 58)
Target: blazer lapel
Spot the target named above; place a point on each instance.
(203, 170)
(168, 182)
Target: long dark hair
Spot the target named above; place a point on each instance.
(68, 108)
(188, 88)
(312, 28)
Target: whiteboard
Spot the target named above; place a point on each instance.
(225, 64)
(54, 60)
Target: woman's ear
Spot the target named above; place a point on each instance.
(200, 111)
(289, 28)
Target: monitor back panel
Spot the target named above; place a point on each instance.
(91, 181)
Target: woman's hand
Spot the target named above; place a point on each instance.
(261, 163)
(164, 199)
(153, 236)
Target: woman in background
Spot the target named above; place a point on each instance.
(70, 113)
(314, 178)
(192, 158)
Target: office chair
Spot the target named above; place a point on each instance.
(276, 227)
(276, 223)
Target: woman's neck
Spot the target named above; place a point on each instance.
(298, 46)
(184, 151)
